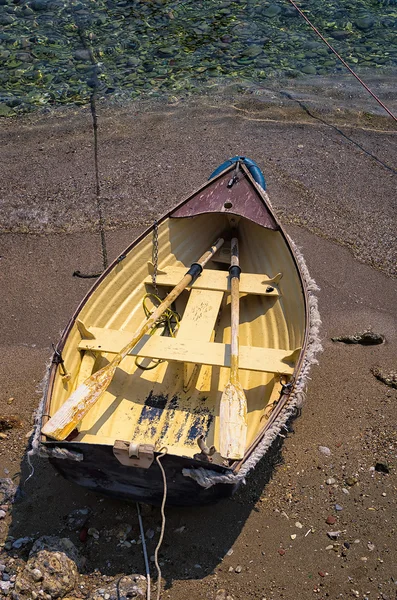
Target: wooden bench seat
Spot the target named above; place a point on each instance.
(210, 279)
(198, 323)
(191, 351)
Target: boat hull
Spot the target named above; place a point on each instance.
(101, 472)
(176, 404)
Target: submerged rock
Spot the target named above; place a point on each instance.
(364, 23)
(272, 11)
(309, 70)
(253, 51)
(39, 5)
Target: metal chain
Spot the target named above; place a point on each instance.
(155, 255)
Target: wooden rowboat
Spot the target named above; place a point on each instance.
(173, 402)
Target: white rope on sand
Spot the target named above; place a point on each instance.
(163, 452)
(206, 477)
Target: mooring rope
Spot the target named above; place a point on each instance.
(94, 84)
(163, 452)
(343, 61)
(145, 556)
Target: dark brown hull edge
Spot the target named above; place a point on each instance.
(101, 472)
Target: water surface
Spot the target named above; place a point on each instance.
(56, 52)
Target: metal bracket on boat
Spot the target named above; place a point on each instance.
(58, 360)
(286, 386)
(234, 178)
(134, 455)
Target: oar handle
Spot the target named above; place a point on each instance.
(234, 271)
(193, 272)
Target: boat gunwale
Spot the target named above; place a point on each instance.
(283, 401)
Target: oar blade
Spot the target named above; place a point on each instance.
(233, 422)
(78, 404)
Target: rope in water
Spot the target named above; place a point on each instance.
(93, 97)
(163, 452)
(343, 61)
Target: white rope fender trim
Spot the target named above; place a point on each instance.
(36, 448)
(206, 477)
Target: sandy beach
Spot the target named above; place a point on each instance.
(332, 181)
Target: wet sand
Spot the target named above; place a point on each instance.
(337, 203)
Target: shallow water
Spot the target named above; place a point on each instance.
(56, 52)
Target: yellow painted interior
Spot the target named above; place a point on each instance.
(176, 402)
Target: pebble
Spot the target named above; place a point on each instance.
(281, 551)
(382, 468)
(229, 552)
(340, 34)
(330, 481)
(293, 536)
(364, 23)
(5, 586)
(371, 546)
(333, 535)
(180, 529)
(150, 534)
(37, 575)
(93, 533)
(330, 547)
(338, 507)
(82, 55)
(346, 545)
(325, 450)
(253, 51)
(298, 525)
(21, 542)
(238, 569)
(330, 520)
(223, 595)
(350, 481)
(78, 518)
(322, 573)
(2, 514)
(166, 52)
(309, 70)
(345, 491)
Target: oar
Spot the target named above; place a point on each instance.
(84, 397)
(233, 409)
